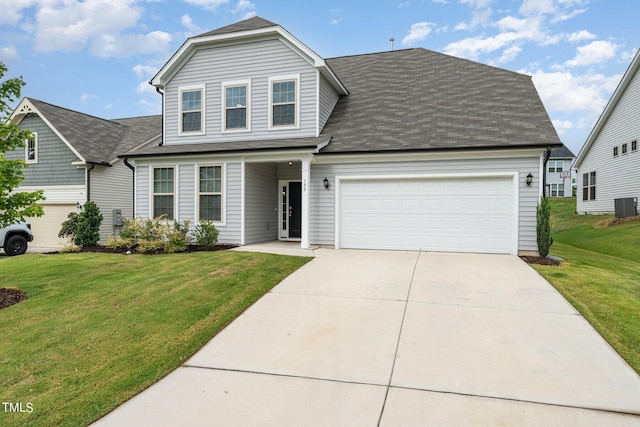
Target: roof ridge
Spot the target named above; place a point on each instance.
(74, 111)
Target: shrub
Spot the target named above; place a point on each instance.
(206, 234)
(88, 230)
(69, 227)
(120, 243)
(146, 246)
(178, 238)
(70, 248)
(543, 227)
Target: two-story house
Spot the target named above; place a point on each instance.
(608, 165)
(73, 157)
(559, 174)
(407, 149)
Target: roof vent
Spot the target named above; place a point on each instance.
(391, 40)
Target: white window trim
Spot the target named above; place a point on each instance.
(26, 149)
(224, 86)
(559, 191)
(223, 201)
(203, 117)
(153, 193)
(274, 79)
(555, 165)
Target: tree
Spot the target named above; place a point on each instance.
(88, 228)
(543, 229)
(15, 206)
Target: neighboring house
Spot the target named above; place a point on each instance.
(408, 149)
(608, 165)
(73, 157)
(559, 174)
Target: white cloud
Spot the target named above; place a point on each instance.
(417, 33)
(509, 54)
(480, 15)
(337, 16)
(246, 9)
(8, 54)
(211, 5)
(86, 97)
(127, 45)
(593, 53)
(144, 71)
(193, 29)
(12, 10)
(580, 36)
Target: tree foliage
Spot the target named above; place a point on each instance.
(543, 229)
(88, 228)
(14, 205)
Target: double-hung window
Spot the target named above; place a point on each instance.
(31, 149)
(556, 166)
(589, 186)
(625, 148)
(634, 145)
(163, 192)
(192, 110)
(236, 106)
(284, 102)
(557, 190)
(210, 184)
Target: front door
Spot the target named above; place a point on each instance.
(291, 210)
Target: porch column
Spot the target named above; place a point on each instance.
(306, 183)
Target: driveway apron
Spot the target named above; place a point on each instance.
(378, 338)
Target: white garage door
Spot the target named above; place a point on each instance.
(441, 214)
(46, 228)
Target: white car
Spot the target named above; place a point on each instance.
(14, 238)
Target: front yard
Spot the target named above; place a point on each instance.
(601, 274)
(97, 329)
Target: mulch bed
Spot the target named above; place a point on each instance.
(539, 260)
(10, 296)
(190, 248)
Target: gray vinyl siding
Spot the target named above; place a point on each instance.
(187, 192)
(261, 203)
(328, 99)
(54, 158)
(143, 176)
(554, 177)
(616, 177)
(322, 203)
(256, 61)
(112, 188)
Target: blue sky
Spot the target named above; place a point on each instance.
(97, 56)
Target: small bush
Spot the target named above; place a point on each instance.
(120, 243)
(150, 246)
(88, 230)
(206, 234)
(70, 248)
(178, 238)
(543, 227)
(69, 227)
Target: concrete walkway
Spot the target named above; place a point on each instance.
(373, 338)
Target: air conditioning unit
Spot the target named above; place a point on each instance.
(626, 207)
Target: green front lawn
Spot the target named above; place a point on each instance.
(99, 328)
(601, 274)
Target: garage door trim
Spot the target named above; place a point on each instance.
(340, 179)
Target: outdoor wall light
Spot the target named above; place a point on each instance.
(326, 183)
(290, 163)
(529, 179)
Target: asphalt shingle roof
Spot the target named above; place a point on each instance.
(562, 153)
(99, 140)
(254, 23)
(418, 99)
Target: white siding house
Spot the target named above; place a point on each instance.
(560, 177)
(272, 142)
(608, 165)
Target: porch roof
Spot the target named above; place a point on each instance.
(312, 144)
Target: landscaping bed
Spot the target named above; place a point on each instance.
(539, 260)
(11, 296)
(134, 250)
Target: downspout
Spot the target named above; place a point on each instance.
(544, 171)
(89, 181)
(133, 186)
(162, 130)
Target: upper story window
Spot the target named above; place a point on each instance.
(236, 106)
(31, 149)
(163, 192)
(589, 186)
(284, 102)
(625, 148)
(634, 145)
(556, 166)
(192, 109)
(615, 151)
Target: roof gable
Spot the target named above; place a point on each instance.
(92, 139)
(628, 77)
(252, 29)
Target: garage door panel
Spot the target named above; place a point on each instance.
(452, 214)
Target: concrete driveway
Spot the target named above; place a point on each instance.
(373, 338)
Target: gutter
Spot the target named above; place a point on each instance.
(89, 181)
(133, 187)
(162, 129)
